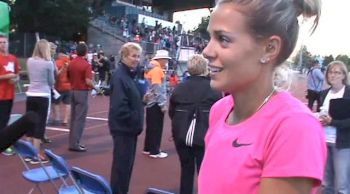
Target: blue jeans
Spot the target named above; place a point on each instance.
(336, 180)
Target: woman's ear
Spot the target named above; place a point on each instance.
(272, 48)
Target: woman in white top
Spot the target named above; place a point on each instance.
(40, 70)
(337, 174)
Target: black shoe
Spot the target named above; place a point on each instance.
(78, 149)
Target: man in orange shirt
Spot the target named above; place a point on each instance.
(9, 69)
(64, 88)
(155, 99)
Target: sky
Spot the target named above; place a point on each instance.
(332, 35)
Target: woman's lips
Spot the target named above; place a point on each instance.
(215, 69)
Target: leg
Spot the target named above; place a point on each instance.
(154, 129)
(328, 181)
(123, 162)
(66, 99)
(42, 111)
(66, 113)
(198, 154)
(16, 130)
(342, 170)
(311, 99)
(72, 111)
(159, 130)
(56, 112)
(149, 126)
(80, 112)
(186, 157)
(318, 102)
(5, 112)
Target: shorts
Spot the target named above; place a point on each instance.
(65, 98)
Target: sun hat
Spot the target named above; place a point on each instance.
(161, 54)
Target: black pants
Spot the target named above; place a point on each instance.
(313, 96)
(154, 129)
(5, 112)
(123, 162)
(190, 157)
(40, 106)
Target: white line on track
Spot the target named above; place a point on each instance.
(57, 129)
(97, 118)
(67, 130)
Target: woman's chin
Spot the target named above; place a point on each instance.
(216, 85)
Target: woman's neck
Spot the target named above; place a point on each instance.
(337, 88)
(248, 104)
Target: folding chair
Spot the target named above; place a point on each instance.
(63, 170)
(91, 183)
(42, 174)
(157, 191)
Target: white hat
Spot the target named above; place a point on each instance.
(161, 54)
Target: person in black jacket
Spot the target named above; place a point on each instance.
(337, 173)
(189, 115)
(125, 117)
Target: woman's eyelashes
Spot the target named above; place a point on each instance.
(224, 40)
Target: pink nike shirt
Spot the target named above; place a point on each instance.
(282, 139)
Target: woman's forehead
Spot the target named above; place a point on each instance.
(227, 17)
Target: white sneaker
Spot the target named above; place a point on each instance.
(146, 152)
(159, 155)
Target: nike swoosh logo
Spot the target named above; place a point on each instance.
(235, 144)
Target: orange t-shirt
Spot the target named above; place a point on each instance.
(8, 64)
(62, 82)
(156, 74)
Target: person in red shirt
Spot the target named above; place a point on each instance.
(9, 69)
(173, 81)
(80, 78)
(63, 87)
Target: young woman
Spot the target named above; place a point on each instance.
(41, 79)
(260, 140)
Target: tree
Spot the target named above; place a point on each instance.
(303, 59)
(345, 59)
(62, 18)
(202, 28)
(327, 60)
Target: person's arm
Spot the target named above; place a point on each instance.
(339, 124)
(8, 76)
(89, 82)
(286, 185)
(319, 75)
(171, 106)
(120, 101)
(88, 77)
(61, 69)
(51, 74)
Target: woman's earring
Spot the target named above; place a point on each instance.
(264, 60)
